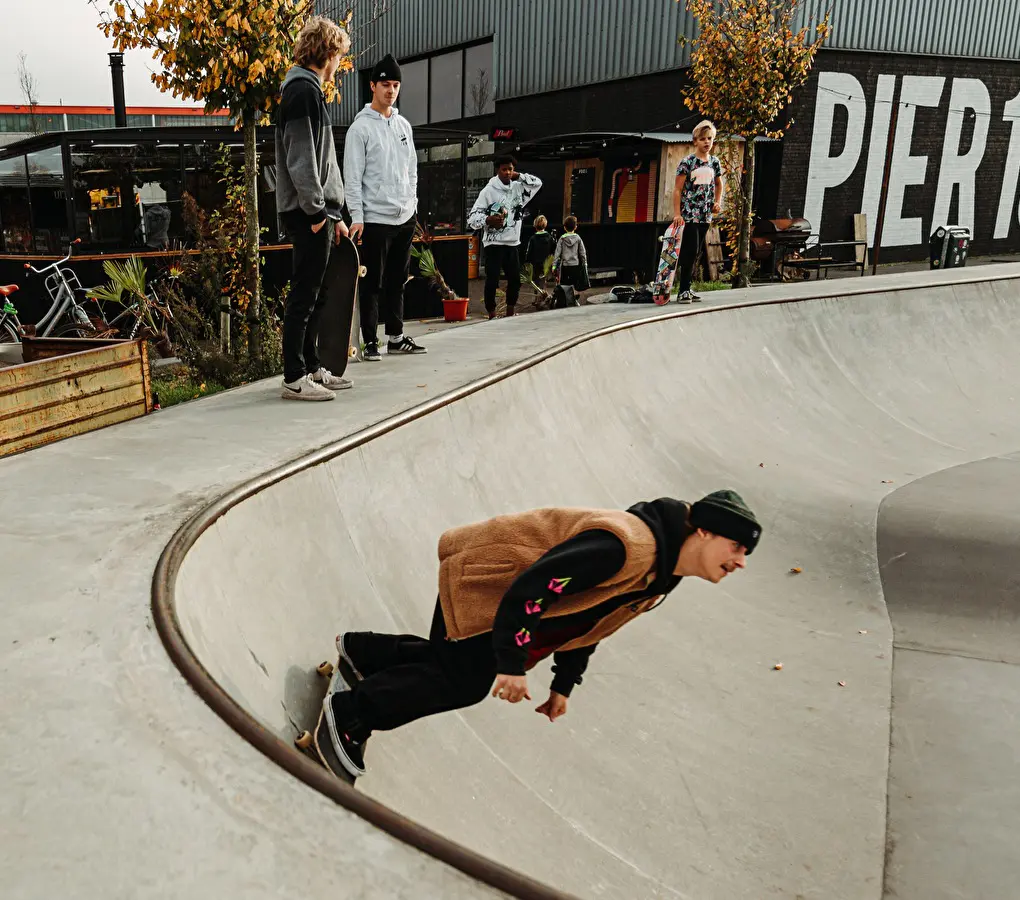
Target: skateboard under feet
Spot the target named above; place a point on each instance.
(318, 739)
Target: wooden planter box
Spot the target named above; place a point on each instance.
(61, 396)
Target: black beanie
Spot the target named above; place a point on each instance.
(725, 513)
(387, 69)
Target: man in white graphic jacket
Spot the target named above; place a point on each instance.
(498, 211)
(381, 177)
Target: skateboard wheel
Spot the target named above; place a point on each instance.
(304, 740)
(325, 669)
(362, 271)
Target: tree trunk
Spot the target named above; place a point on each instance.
(746, 216)
(251, 234)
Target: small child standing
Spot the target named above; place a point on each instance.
(541, 246)
(697, 196)
(571, 260)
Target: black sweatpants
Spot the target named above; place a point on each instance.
(412, 677)
(690, 247)
(500, 256)
(306, 299)
(385, 252)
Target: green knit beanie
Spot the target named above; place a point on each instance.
(725, 513)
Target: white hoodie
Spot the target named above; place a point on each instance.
(380, 168)
(497, 197)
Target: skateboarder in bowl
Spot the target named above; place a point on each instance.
(310, 199)
(518, 588)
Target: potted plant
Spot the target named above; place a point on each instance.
(454, 307)
(144, 316)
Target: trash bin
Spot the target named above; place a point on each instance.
(948, 247)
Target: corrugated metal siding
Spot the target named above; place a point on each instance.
(539, 45)
(989, 28)
(546, 45)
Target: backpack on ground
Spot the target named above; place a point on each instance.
(564, 296)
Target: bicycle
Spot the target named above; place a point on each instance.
(63, 286)
(10, 326)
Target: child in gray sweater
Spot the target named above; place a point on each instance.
(571, 260)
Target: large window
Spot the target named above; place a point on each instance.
(49, 202)
(440, 199)
(457, 84)
(127, 195)
(15, 212)
(446, 86)
(413, 101)
(479, 94)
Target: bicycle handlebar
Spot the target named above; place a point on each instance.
(59, 262)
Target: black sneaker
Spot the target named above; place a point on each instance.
(372, 352)
(350, 752)
(358, 667)
(404, 345)
(694, 297)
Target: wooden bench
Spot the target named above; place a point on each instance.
(815, 260)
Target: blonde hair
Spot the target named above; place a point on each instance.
(540, 222)
(702, 127)
(320, 40)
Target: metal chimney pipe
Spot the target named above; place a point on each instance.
(119, 104)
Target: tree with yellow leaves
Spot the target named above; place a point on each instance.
(746, 62)
(227, 54)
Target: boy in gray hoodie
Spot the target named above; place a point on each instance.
(381, 171)
(498, 211)
(310, 199)
(570, 262)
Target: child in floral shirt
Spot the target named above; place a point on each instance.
(697, 196)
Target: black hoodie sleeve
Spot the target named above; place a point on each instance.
(584, 561)
(568, 667)
(299, 118)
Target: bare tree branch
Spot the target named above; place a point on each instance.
(29, 88)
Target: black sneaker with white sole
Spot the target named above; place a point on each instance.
(405, 345)
(341, 724)
(359, 668)
(372, 352)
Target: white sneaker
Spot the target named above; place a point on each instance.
(328, 380)
(685, 297)
(305, 389)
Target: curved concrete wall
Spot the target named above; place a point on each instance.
(686, 766)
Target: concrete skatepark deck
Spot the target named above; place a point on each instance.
(686, 767)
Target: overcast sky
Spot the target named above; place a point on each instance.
(67, 55)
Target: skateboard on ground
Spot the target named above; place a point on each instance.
(662, 287)
(318, 740)
(338, 322)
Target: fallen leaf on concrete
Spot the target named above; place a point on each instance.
(842, 684)
(887, 482)
(865, 631)
(778, 667)
(422, 385)
(761, 465)
(796, 570)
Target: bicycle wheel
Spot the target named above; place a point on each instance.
(74, 329)
(9, 334)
